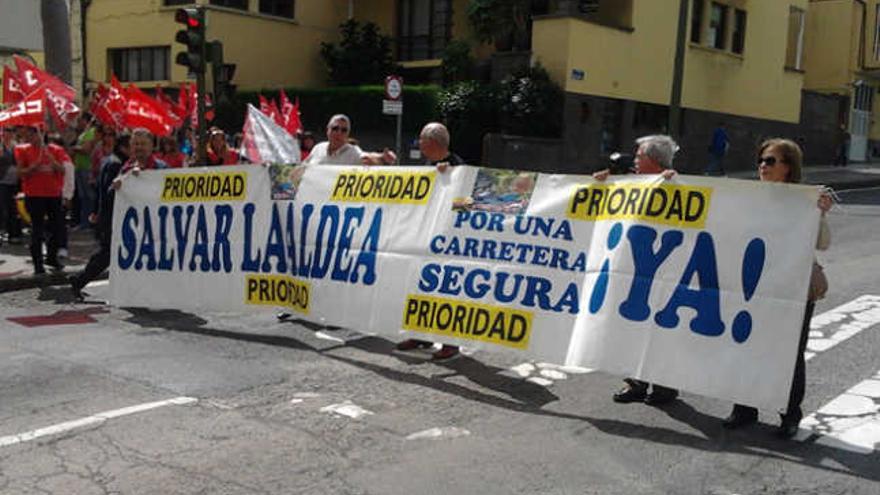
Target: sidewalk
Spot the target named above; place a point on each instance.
(16, 271)
(853, 176)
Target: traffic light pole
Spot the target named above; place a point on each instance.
(201, 132)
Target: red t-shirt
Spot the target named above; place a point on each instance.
(230, 158)
(174, 160)
(44, 183)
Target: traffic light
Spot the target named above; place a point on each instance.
(222, 72)
(193, 37)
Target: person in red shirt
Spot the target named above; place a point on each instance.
(219, 152)
(41, 169)
(169, 153)
(142, 156)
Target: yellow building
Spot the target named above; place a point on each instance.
(274, 43)
(842, 57)
(615, 60)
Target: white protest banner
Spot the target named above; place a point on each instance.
(694, 282)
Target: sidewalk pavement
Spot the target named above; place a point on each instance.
(853, 176)
(16, 271)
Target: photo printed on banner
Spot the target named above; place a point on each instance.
(285, 180)
(499, 191)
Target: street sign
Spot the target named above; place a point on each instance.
(391, 107)
(393, 88)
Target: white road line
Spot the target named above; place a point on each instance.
(91, 420)
(851, 421)
(835, 326)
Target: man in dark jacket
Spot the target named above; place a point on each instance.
(103, 219)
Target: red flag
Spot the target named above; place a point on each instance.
(109, 104)
(264, 106)
(143, 111)
(275, 113)
(28, 112)
(12, 91)
(32, 77)
(194, 107)
(290, 114)
(60, 108)
(170, 108)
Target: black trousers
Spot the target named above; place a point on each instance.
(99, 262)
(9, 220)
(799, 381)
(45, 218)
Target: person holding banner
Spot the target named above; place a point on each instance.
(169, 153)
(142, 157)
(653, 156)
(41, 169)
(434, 145)
(779, 160)
(103, 216)
(338, 149)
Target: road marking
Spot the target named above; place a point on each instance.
(850, 422)
(437, 433)
(839, 324)
(347, 409)
(60, 317)
(91, 420)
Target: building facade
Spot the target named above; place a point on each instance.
(743, 68)
(842, 59)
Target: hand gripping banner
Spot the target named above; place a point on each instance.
(696, 283)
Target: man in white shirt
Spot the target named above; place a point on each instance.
(336, 150)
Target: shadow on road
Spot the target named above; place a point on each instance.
(529, 398)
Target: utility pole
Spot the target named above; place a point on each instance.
(678, 71)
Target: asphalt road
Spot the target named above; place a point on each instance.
(259, 406)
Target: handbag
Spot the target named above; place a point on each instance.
(818, 283)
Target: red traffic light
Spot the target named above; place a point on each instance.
(191, 17)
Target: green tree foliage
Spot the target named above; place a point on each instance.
(363, 55)
(531, 103)
(458, 62)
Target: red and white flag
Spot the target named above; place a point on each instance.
(27, 112)
(143, 111)
(290, 114)
(32, 77)
(264, 141)
(12, 92)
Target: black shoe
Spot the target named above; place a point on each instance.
(789, 426)
(740, 416)
(412, 344)
(39, 271)
(632, 392)
(283, 316)
(55, 263)
(661, 395)
(76, 290)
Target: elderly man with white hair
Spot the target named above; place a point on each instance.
(434, 145)
(653, 156)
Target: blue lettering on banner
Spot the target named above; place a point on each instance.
(527, 290)
(697, 289)
(321, 246)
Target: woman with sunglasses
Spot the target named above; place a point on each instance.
(779, 160)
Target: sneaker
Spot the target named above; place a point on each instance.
(283, 316)
(412, 344)
(15, 240)
(39, 271)
(633, 391)
(62, 253)
(445, 353)
(740, 416)
(661, 395)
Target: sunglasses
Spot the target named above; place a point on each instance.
(767, 160)
(337, 128)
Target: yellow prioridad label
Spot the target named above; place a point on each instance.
(208, 186)
(465, 320)
(278, 290)
(384, 187)
(668, 204)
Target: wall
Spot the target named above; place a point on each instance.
(20, 26)
(828, 49)
(269, 52)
